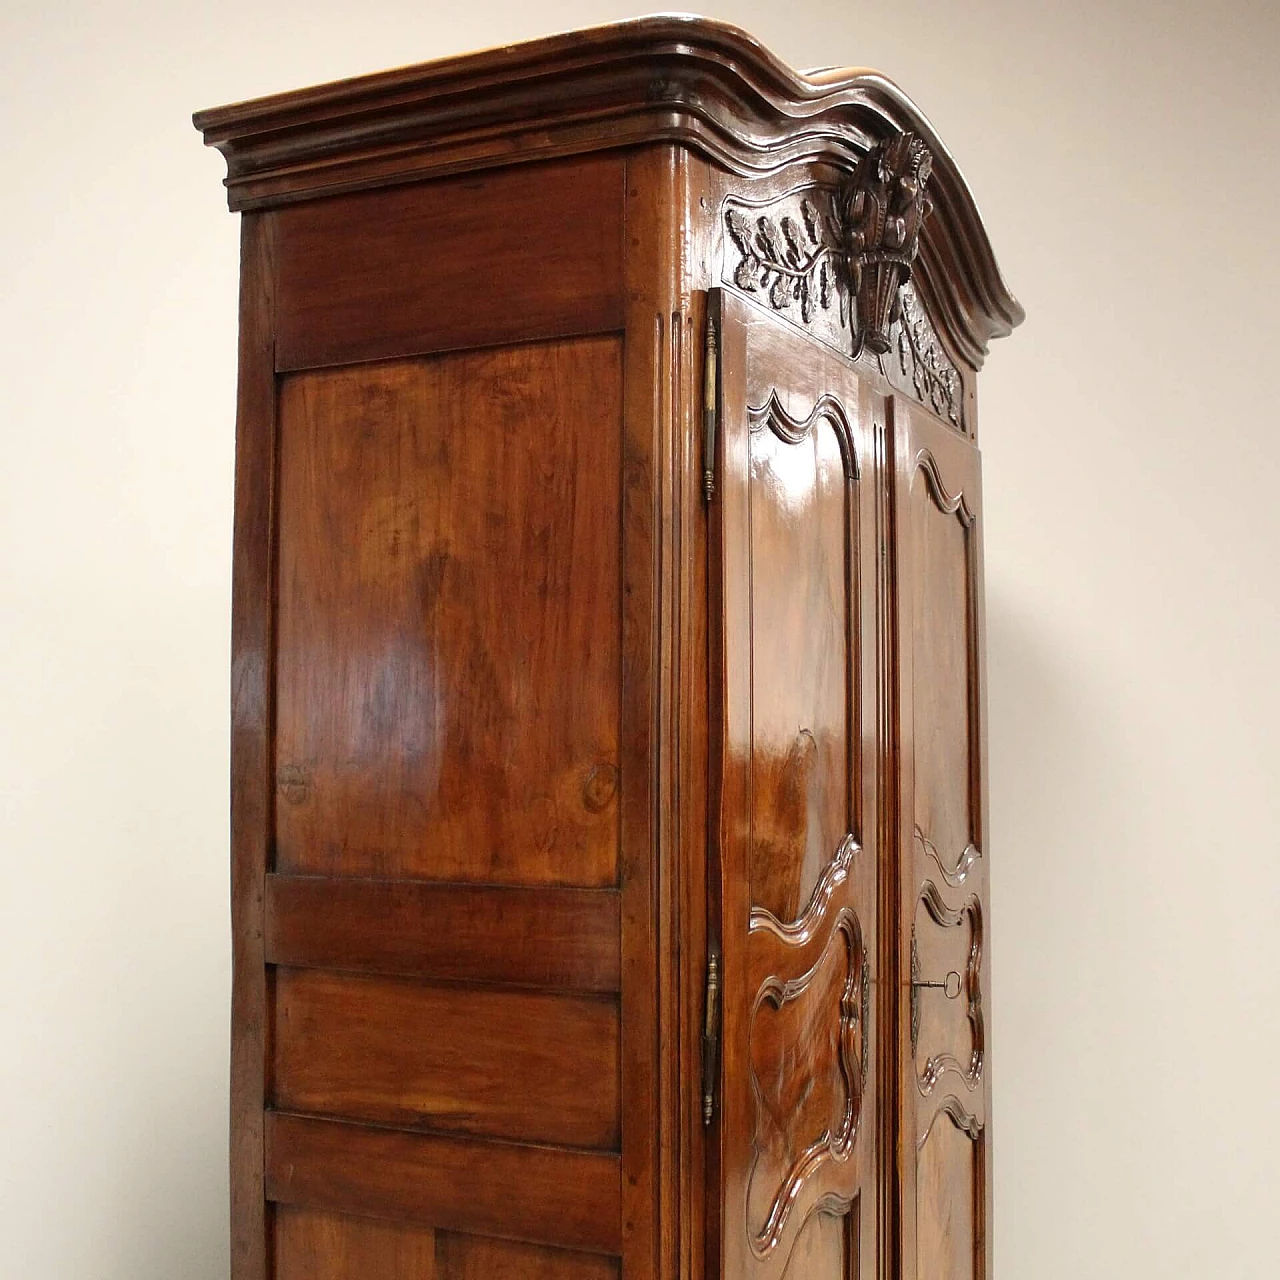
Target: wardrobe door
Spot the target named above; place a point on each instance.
(944, 1136)
(794, 1137)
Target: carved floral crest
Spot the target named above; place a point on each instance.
(843, 258)
(878, 215)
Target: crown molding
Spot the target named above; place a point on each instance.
(703, 84)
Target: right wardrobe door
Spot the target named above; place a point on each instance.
(943, 1135)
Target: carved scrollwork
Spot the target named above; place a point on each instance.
(955, 1111)
(798, 932)
(939, 1064)
(839, 260)
(954, 876)
(781, 1085)
(792, 430)
(789, 258)
(950, 504)
(919, 366)
(856, 252)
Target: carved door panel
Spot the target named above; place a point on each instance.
(944, 1137)
(794, 1138)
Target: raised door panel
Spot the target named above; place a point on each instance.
(796, 1137)
(944, 1079)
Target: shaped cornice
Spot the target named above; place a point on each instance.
(704, 84)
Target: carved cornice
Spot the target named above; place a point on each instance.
(703, 84)
(791, 253)
(853, 247)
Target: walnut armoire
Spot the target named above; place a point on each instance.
(608, 804)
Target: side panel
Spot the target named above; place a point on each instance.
(945, 1084)
(447, 687)
(797, 1129)
(252, 579)
(448, 675)
(313, 1245)
(441, 727)
(506, 256)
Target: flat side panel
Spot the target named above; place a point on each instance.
(449, 612)
(311, 1245)
(315, 1245)
(529, 252)
(396, 1051)
(251, 726)
(476, 1258)
(542, 1195)
(540, 937)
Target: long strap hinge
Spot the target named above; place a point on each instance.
(711, 1039)
(710, 397)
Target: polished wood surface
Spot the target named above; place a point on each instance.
(550, 688)
(796, 584)
(684, 81)
(545, 1195)
(326, 1246)
(522, 936)
(353, 282)
(528, 1065)
(252, 645)
(437, 715)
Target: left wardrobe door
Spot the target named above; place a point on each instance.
(793, 567)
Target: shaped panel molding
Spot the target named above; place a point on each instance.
(794, 255)
(949, 1058)
(807, 1081)
(955, 875)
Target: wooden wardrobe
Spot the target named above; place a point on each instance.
(608, 853)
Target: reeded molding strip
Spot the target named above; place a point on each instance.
(705, 84)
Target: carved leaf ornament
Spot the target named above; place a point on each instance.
(850, 252)
(785, 260)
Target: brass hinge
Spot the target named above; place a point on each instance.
(710, 395)
(711, 1038)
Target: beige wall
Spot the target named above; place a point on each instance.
(1125, 156)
